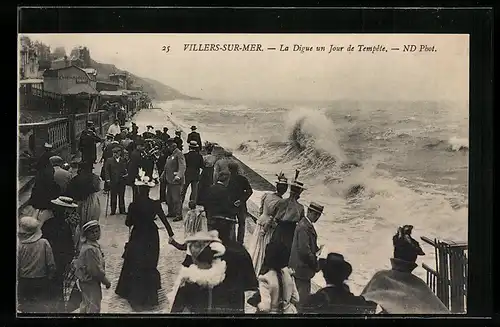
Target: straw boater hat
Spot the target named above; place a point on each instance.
(89, 225)
(64, 201)
(29, 226)
(193, 128)
(316, 207)
(47, 145)
(90, 123)
(193, 145)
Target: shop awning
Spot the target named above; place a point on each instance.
(112, 93)
(31, 81)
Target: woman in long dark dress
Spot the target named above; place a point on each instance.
(207, 173)
(139, 279)
(57, 231)
(288, 213)
(44, 190)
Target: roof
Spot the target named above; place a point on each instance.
(107, 82)
(90, 70)
(51, 71)
(31, 81)
(80, 88)
(112, 93)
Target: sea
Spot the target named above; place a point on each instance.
(374, 165)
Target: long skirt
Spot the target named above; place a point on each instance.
(257, 245)
(89, 209)
(206, 180)
(34, 295)
(139, 280)
(284, 234)
(71, 294)
(91, 296)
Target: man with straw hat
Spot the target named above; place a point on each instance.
(36, 267)
(304, 251)
(90, 269)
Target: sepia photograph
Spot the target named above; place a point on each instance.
(278, 174)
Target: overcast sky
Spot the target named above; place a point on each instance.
(276, 75)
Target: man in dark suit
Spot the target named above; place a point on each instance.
(194, 165)
(165, 135)
(194, 136)
(116, 174)
(178, 140)
(173, 176)
(87, 143)
(218, 203)
(45, 156)
(305, 251)
(240, 191)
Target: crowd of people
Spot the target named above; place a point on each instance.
(62, 267)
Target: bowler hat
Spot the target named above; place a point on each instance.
(335, 267)
(193, 128)
(281, 179)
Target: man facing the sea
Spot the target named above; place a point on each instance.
(173, 176)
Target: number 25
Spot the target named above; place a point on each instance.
(165, 48)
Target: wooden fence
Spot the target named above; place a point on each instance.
(449, 280)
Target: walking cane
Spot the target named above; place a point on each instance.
(107, 205)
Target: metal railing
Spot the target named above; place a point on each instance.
(449, 280)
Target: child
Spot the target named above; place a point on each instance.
(195, 221)
(90, 269)
(36, 267)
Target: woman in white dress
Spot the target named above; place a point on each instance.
(266, 224)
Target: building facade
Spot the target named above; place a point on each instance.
(120, 79)
(66, 62)
(29, 63)
(62, 80)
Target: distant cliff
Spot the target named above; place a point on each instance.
(156, 90)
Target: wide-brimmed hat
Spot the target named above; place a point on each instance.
(200, 240)
(65, 201)
(47, 145)
(29, 226)
(316, 207)
(56, 160)
(297, 186)
(281, 179)
(335, 265)
(90, 224)
(193, 128)
(193, 144)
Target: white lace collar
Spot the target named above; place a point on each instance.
(205, 277)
